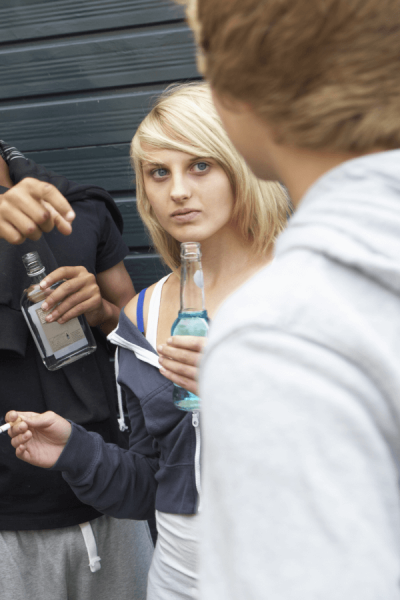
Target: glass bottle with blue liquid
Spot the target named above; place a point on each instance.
(192, 317)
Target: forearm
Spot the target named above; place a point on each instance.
(109, 319)
(115, 481)
(116, 290)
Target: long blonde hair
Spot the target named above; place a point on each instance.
(184, 119)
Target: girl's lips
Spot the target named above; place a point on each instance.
(186, 217)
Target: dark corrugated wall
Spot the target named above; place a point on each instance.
(77, 76)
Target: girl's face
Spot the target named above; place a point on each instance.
(190, 196)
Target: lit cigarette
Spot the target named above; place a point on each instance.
(5, 427)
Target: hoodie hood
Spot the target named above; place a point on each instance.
(127, 335)
(352, 215)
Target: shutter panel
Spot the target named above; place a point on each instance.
(77, 79)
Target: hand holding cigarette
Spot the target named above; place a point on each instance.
(38, 439)
(7, 426)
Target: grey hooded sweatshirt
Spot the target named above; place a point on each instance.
(301, 393)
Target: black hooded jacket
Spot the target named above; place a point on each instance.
(84, 392)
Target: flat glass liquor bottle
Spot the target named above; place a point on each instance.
(192, 317)
(58, 345)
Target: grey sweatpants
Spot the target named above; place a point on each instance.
(53, 564)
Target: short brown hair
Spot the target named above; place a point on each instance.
(323, 73)
(184, 119)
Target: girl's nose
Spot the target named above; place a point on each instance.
(180, 189)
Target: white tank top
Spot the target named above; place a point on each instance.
(174, 567)
(154, 312)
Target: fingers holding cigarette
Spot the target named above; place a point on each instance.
(38, 438)
(15, 427)
(13, 419)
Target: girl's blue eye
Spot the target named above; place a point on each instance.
(201, 166)
(160, 172)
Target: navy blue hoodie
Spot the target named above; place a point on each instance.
(158, 469)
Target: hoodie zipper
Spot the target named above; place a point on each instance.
(121, 417)
(197, 474)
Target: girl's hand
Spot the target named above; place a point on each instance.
(38, 439)
(180, 358)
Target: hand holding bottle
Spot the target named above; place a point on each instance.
(180, 358)
(32, 207)
(38, 439)
(59, 344)
(192, 317)
(78, 295)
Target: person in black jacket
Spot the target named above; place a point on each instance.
(51, 543)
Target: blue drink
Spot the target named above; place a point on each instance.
(192, 317)
(189, 323)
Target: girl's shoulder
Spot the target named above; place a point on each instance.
(131, 307)
(168, 290)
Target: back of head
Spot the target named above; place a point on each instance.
(324, 73)
(184, 119)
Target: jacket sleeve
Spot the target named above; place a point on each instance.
(115, 481)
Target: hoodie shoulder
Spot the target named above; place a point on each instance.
(127, 331)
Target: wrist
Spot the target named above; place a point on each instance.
(109, 318)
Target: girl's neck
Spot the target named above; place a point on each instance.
(228, 262)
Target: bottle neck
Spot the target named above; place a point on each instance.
(35, 278)
(34, 267)
(192, 286)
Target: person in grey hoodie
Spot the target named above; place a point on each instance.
(301, 376)
(191, 186)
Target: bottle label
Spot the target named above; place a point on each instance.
(57, 339)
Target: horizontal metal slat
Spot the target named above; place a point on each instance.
(135, 234)
(106, 166)
(73, 122)
(95, 62)
(144, 269)
(31, 19)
